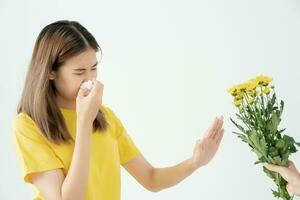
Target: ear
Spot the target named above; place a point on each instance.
(52, 75)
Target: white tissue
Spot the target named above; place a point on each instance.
(87, 84)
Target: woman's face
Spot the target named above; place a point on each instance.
(72, 73)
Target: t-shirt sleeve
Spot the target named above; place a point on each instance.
(127, 148)
(34, 153)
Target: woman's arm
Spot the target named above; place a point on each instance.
(52, 184)
(290, 174)
(156, 179)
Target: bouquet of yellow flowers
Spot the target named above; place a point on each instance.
(260, 114)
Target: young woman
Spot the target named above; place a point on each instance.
(290, 174)
(69, 144)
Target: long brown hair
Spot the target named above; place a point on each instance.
(56, 43)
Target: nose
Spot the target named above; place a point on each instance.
(89, 76)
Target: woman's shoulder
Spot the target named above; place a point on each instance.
(110, 115)
(22, 119)
(107, 111)
(23, 124)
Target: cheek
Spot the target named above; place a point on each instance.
(74, 85)
(68, 87)
(95, 74)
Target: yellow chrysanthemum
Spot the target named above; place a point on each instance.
(237, 90)
(237, 103)
(250, 100)
(251, 93)
(251, 85)
(266, 90)
(263, 80)
(232, 91)
(239, 96)
(242, 87)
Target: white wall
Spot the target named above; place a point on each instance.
(166, 67)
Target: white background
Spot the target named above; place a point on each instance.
(166, 67)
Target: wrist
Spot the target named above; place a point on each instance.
(83, 121)
(192, 165)
(83, 124)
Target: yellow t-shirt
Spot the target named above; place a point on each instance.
(109, 150)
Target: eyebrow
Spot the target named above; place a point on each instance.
(83, 69)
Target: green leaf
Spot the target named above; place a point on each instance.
(273, 152)
(288, 140)
(281, 131)
(269, 173)
(281, 107)
(258, 153)
(263, 145)
(259, 161)
(277, 160)
(242, 136)
(260, 145)
(272, 125)
(273, 100)
(276, 194)
(238, 126)
(280, 144)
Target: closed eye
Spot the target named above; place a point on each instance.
(78, 74)
(82, 70)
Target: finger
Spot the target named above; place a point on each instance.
(98, 86)
(200, 143)
(220, 125)
(215, 128)
(220, 136)
(274, 168)
(81, 93)
(210, 131)
(85, 92)
(222, 122)
(95, 85)
(291, 165)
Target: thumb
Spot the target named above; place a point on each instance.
(81, 93)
